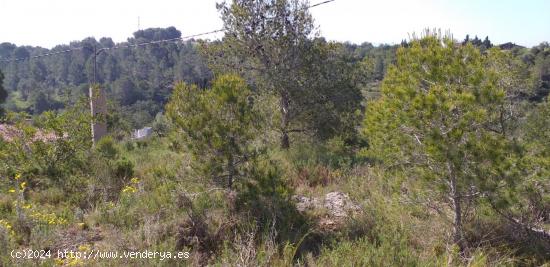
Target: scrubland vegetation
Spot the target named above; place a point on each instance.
(439, 149)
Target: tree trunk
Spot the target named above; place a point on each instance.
(231, 171)
(285, 142)
(457, 210)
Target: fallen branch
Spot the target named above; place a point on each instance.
(539, 232)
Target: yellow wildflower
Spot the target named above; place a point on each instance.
(83, 248)
(74, 261)
(23, 185)
(6, 225)
(18, 176)
(129, 189)
(59, 261)
(45, 218)
(134, 180)
(11, 190)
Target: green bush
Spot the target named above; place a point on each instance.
(106, 148)
(123, 169)
(266, 199)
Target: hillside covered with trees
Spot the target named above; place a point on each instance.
(275, 147)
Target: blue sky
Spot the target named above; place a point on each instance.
(47, 23)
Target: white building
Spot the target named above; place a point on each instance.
(142, 133)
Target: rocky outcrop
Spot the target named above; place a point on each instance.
(339, 204)
(9, 133)
(336, 206)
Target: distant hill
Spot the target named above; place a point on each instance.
(138, 81)
(132, 77)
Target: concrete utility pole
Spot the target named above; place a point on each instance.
(98, 106)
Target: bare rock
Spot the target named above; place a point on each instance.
(336, 208)
(304, 203)
(339, 204)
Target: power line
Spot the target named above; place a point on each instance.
(160, 41)
(321, 3)
(42, 55)
(114, 47)
(96, 52)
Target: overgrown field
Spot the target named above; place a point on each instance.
(293, 152)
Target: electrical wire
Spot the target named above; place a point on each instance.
(42, 55)
(133, 45)
(321, 3)
(114, 47)
(161, 41)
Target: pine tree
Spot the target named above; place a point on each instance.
(274, 46)
(466, 40)
(217, 124)
(486, 43)
(440, 119)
